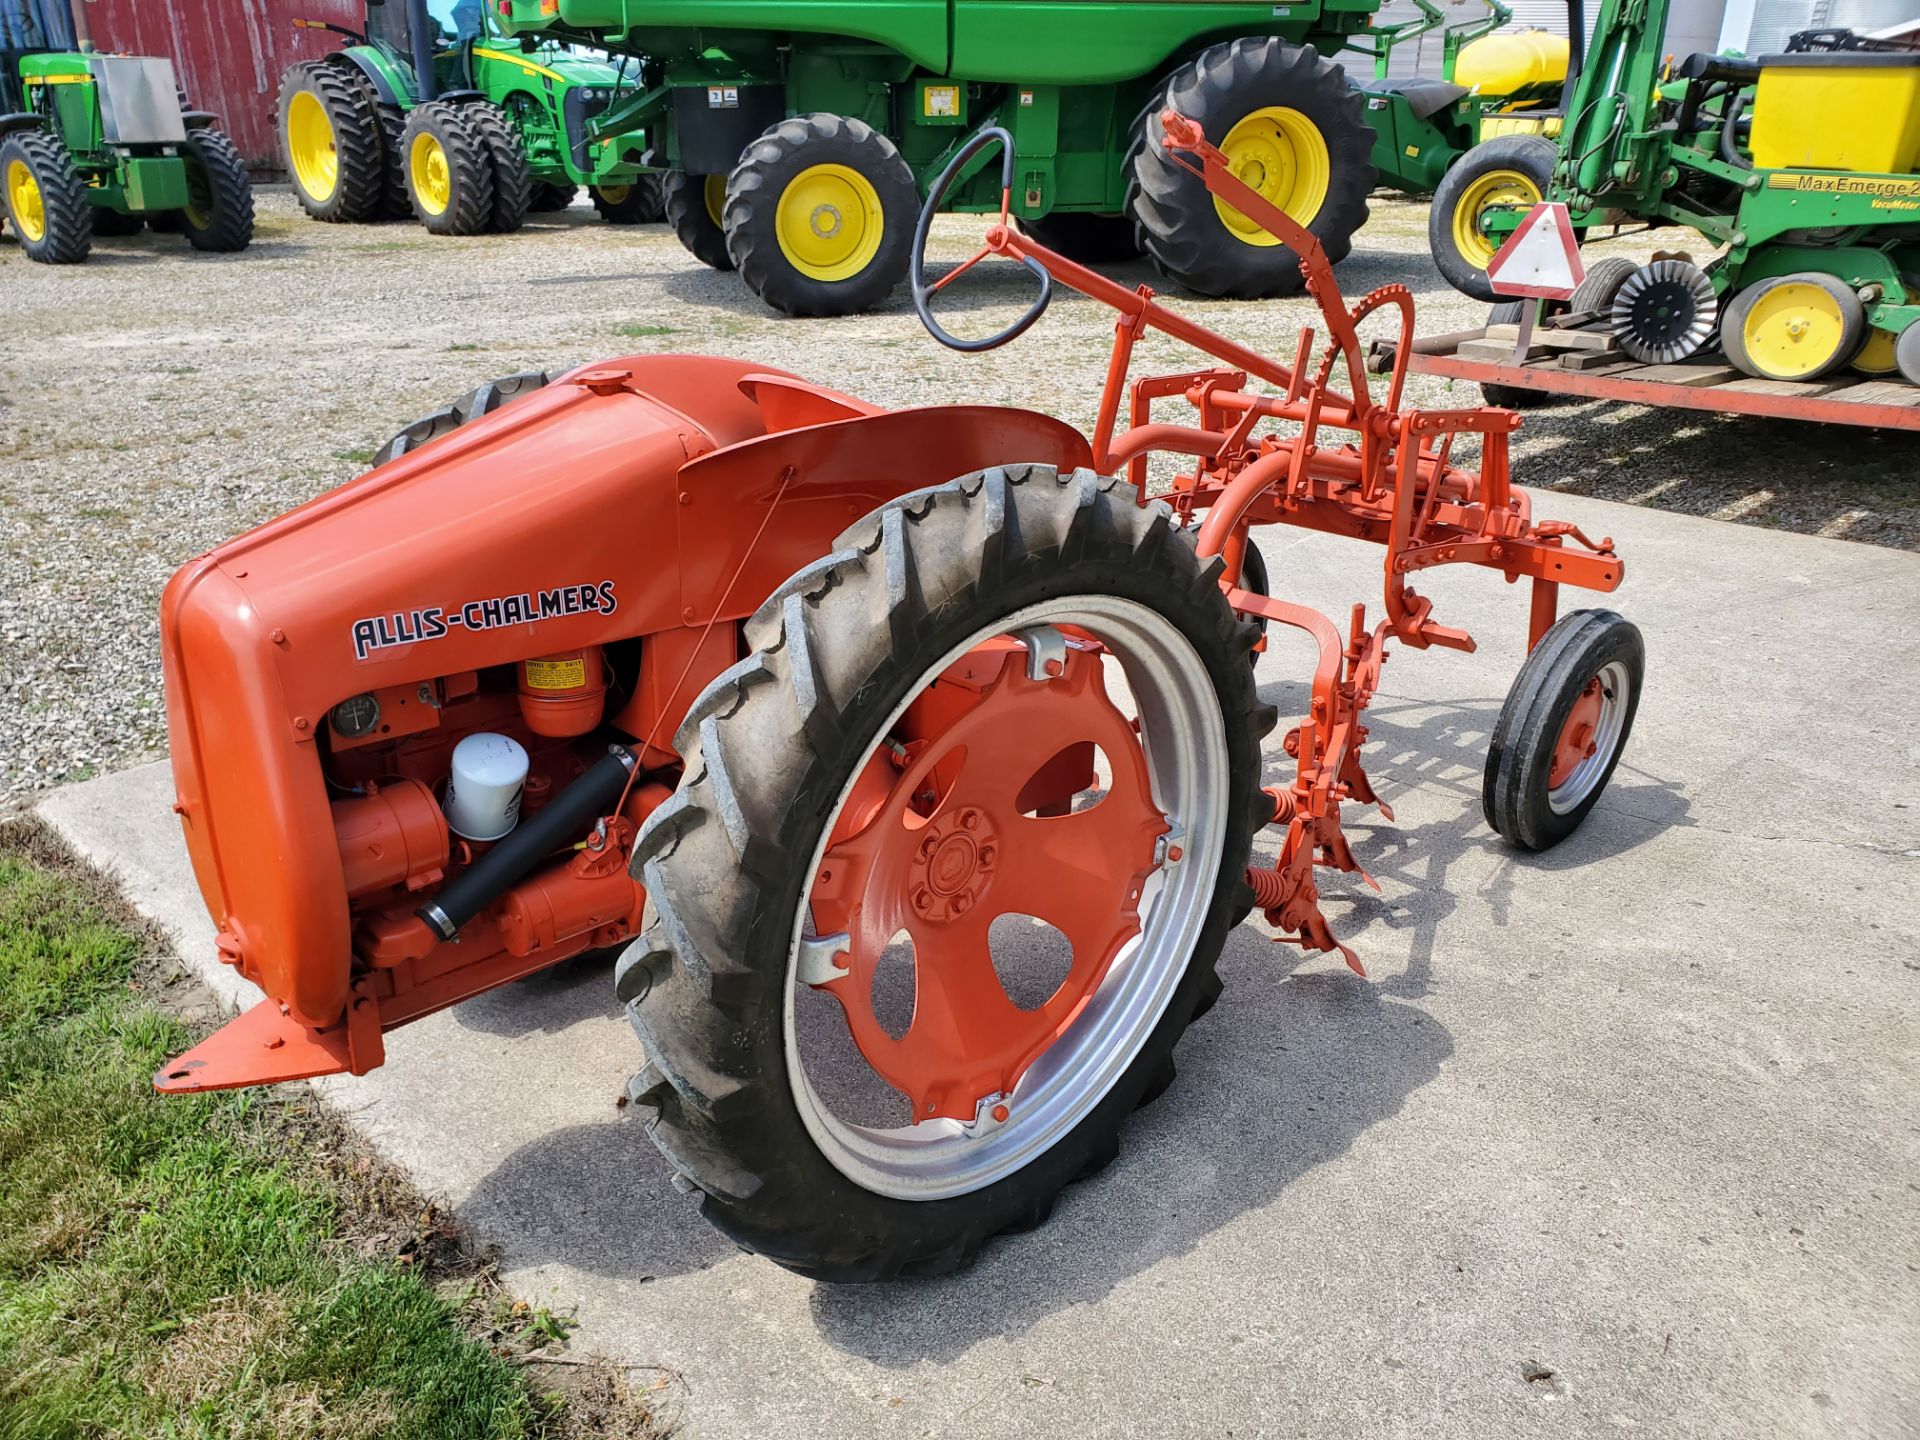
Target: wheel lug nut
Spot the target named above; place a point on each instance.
(969, 819)
(923, 899)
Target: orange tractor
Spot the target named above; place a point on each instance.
(922, 810)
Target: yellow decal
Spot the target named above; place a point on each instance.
(59, 79)
(556, 674)
(1888, 187)
(524, 64)
(940, 100)
(1413, 152)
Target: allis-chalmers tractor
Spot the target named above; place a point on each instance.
(922, 809)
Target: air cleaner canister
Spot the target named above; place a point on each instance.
(564, 695)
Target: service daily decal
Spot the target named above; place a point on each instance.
(410, 627)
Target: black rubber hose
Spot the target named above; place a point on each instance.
(561, 821)
(1730, 131)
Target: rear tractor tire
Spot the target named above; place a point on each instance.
(819, 216)
(1292, 128)
(798, 843)
(694, 207)
(1506, 170)
(219, 213)
(483, 400)
(450, 169)
(46, 202)
(642, 201)
(1794, 327)
(330, 143)
(1562, 730)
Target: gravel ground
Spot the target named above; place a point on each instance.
(155, 402)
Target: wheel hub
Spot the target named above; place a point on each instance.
(997, 837)
(1577, 735)
(1664, 312)
(826, 221)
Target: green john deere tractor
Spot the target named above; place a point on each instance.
(801, 137)
(1799, 171)
(102, 144)
(1491, 84)
(431, 113)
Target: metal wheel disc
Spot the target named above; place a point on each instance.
(1589, 738)
(1157, 849)
(1664, 312)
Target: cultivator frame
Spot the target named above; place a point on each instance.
(1393, 483)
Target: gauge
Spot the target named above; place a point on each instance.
(356, 717)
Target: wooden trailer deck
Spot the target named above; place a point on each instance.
(1569, 356)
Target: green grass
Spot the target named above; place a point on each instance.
(222, 1265)
(642, 332)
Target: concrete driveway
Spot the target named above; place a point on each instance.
(1618, 1139)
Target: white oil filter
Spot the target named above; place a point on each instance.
(482, 800)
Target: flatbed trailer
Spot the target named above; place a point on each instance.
(1561, 359)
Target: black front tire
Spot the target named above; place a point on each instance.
(643, 201)
(512, 180)
(482, 400)
(758, 201)
(770, 746)
(1178, 226)
(66, 215)
(468, 209)
(694, 206)
(1526, 159)
(1517, 796)
(550, 197)
(219, 213)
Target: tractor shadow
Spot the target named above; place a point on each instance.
(546, 1002)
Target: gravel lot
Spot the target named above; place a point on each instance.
(155, 402)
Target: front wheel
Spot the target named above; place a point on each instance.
(449, 170)
(219, 213)
(640, 201)
(44, 198)
(931, 908)
(1563, 728)
(1507, 171)
(694, 203)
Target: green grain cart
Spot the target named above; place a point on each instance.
(96, 144)
(801, 136)
(429, 112)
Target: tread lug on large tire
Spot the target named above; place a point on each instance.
(1518, 167)
(342, 184)
(512, 180)
(1517, 795)
(482, 400)
(62, 233)
(641, 202)
(220, 219)
(468, 203)
(865, 241)
(694, 207)
(1177, 224)
(770, 748)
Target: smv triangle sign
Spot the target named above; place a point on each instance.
(1540, 258)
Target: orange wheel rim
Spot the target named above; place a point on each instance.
(1580, 736)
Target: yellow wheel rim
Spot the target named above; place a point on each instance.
(1496, 187)
(1876, 356)
(714, 190)
(29, 211)
(613, 194)
(828, 222)
(432, 179)
(1793, 329)
(1281, 154)
(310, 146)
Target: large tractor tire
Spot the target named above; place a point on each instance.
(1506, 170)
(694, 206)
(1794, 327)
(549, 197)
(808, 843)
(643, 202)
(820, 214)
(449, 170)
(512, 180)
(219, 213)
(1087, 238)
(1292, 128)
(330, 143)
(46, 202)
(482, 400)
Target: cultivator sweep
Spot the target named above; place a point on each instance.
(926, 809)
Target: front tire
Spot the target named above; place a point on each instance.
(1291, 127)
(776, 747)
(449, 170)
(512, 180)
(219, 214)
(819, 216)
(1506, 170)
(694, 206)
(642, 201)
(46, 202)
(482, 400)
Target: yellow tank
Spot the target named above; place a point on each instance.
(1511, 60)
(1853, 110)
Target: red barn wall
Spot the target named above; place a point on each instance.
(228, 54)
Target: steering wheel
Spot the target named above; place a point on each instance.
(923, 293)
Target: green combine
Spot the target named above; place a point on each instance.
(101, 145)
(801, 136)
(429, 112)
(1796, 177)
